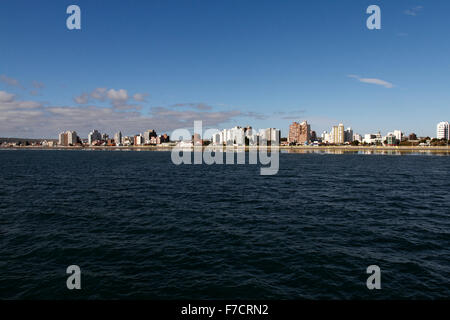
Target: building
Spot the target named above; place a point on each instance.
(139, 140)
(348, 135)
(72, 138)
(373, 138)
(270, 135)
(164, 138)
(232, 136)
(197, 139)
(68, 138)
(148, 135)
(391, 140)
(62, 139)
(338, 134)
(398, 135)
(118, 138)
(299, 133)
(127, 140)
(442, 130)
(357, 137)
(217, 139)
(93, 136)
(251, 136)
(326, 137)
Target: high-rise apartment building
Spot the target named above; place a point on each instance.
(271, 135)
(139, 140)
(348, 135)
(94, 135)
(68, 138)
(338, 134)
(118, 138)
(442, 130)
(299, 133)
(62, 139)
(72, 138)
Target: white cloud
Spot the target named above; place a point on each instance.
(82, 99)
(99, 93)
(6, 97)
(32, 119)
(141, 97)
(413, 11)
(375, 81)
(118, 98)
(120, 95)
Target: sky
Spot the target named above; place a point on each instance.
(138, 65)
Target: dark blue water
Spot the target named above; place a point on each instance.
(141, 227)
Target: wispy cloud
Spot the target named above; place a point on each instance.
(414, 11)
(290, 115)
(38, 85)
(375, 81)
(10, 81)
(198, 106)
(141, 97)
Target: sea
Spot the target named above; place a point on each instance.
(140, 227)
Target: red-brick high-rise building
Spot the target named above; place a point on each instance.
(299, 133)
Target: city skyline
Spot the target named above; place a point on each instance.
(212, 63)
(300, 133)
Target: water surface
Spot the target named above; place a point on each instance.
(142, 228)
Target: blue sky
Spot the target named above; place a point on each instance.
(247, 62)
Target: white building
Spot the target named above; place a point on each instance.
(233, 136)
(357, 137)
(139, 140)
(217, 138)
(61, 139)
(338, 134)
(398, 135)
(118, 138)
(442, 130)
(326, 137)
(275, 135)
(373, 138)
(270, 134)
(237, 136)
(72, 138)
